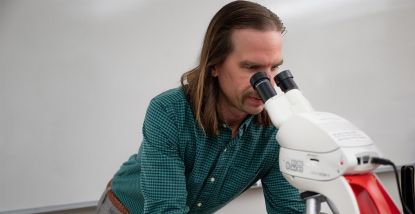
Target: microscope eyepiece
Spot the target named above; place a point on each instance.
(285, 81)
(261, 83)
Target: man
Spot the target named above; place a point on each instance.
(209, 140)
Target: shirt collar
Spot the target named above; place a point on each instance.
(244, 125)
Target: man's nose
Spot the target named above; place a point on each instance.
(270, 75)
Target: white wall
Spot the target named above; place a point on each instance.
(76, 77)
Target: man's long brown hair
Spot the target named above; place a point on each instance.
(201, 88)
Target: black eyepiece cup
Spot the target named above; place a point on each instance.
(261, 83)
(285, 81)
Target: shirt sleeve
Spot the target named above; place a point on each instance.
(280, 196)
(163, 179)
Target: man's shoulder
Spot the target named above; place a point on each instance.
(173, 101)
(172, 104)
(171, 96)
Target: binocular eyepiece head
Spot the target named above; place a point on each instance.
(262, 84)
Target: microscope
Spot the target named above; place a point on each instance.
(324, 156)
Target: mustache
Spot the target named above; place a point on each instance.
(250, 94)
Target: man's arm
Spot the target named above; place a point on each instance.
(162, 180)
(280, 196)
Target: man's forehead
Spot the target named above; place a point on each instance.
(254, 40)
(250, 34)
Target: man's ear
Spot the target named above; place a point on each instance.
(215, 71)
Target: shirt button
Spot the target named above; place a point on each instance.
(212, 179)
(199, 204)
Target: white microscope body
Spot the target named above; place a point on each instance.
(317, 149)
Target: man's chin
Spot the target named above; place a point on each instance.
(257, 110)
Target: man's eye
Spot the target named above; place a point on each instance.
(274, 68)
(253, 67)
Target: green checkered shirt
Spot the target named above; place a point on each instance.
(179, 169)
